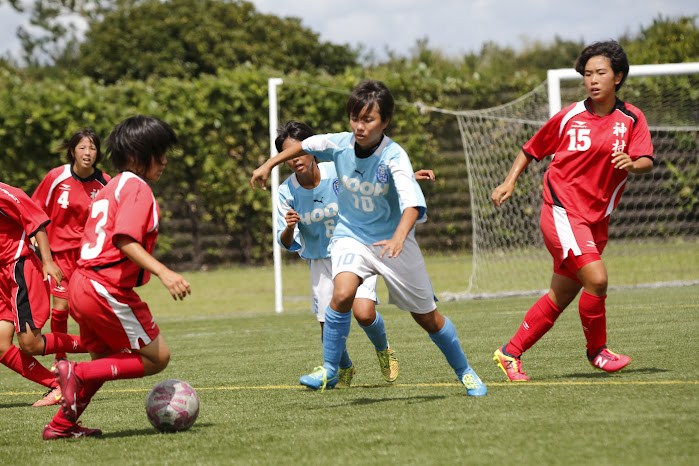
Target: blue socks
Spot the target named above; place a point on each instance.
(448, 342)
(377, 333)
(335, 332)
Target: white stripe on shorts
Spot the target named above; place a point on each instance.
(565, 231)
(133, 328)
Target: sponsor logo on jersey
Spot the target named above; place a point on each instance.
(319, 214)
(360, 173)
(578, 124)
(364, 188)
(382, 173)
(63, 186)
(10, 195)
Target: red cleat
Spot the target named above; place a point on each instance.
(510, 365)
(70, 385)
(609, 361)
(75, 431)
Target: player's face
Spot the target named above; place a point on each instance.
(600, 80)
(85, 155)
(157, 167)
(301, 165)
(368, 127)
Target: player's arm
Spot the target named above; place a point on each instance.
(639, 166)
(287, 235)
(173, 281)
(49, 266)
(424, 174)
(260, 175)
(394, 246)
(505, 190)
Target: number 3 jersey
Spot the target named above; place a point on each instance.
(373, 191)
(317, 208)
(581, 177)
(66, 199)
(126, 206)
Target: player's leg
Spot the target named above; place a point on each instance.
(22, 363)
(59, 319)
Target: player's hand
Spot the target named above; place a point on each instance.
(502, 193)
(424, 175)
(259, 177)
(393, 246)
(176, 284)
(292, 218)
(622, 161)
(52, 270)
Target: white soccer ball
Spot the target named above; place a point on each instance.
(172, 406)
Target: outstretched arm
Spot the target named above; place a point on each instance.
(260, 175)
(505, 190)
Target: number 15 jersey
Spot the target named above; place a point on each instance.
(581, 177)
(126, 206)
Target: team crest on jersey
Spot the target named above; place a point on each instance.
(336, 186)
(382, 173)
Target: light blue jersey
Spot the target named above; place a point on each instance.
(373, 191)
(317, 208)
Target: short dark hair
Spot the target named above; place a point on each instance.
(610, 49)
(140, 139)
(367, 94)
(292, 129)
(70, 145)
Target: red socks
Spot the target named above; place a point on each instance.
(116, 366)
(62, 343)
(59, 324)
(594, 321)
(28, 367)
(537, 321)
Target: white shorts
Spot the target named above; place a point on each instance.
(409, 286)
(322, 287)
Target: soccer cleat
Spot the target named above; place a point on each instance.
(55, 362)
(319, 378)
(70, 385)
(474, 385)
(608, 361)
(388, 363)
(510, 365)
(51, 397)
(75, 431)
(344, 376)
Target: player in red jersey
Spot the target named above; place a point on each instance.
(65, 194)
(595, 144)
(116, 256)
(24, 291)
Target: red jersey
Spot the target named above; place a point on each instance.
(581, 177)
(66, 199)
(126, 206)
(20, 219)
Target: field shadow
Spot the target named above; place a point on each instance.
(150, 431)
(13, 405)
(407, 400)
(604, 375)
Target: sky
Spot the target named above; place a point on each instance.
(453, 26)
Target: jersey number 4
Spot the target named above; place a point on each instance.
(63, 199)
(92, 250)
(579, 139)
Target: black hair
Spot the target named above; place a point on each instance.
(292, 129)
(139, 139)
(610, 49)
(70, 145)
(369, 93)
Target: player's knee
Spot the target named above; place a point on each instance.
(33, 346)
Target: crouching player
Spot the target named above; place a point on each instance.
(120, 234)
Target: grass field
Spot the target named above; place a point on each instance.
(245, 360)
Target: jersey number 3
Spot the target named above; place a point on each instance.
(579, 139)
(99, 209)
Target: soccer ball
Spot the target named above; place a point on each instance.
(172, 406)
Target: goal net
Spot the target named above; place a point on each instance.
(653, 232)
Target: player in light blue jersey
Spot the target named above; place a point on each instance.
(379, 203)
(306, 219)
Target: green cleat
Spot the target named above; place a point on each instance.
(388, 363)
(344, 376)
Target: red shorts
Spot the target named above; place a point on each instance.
(572, 241)
(24, 295)
(67, 262)
(111, 319)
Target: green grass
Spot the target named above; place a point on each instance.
(245, 360)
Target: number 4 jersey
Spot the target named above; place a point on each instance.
(581, 177)
(66, 199)
(126, 206)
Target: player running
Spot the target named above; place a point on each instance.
(379, 202)
(116, 326)
(65, 194)
(595, 144)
